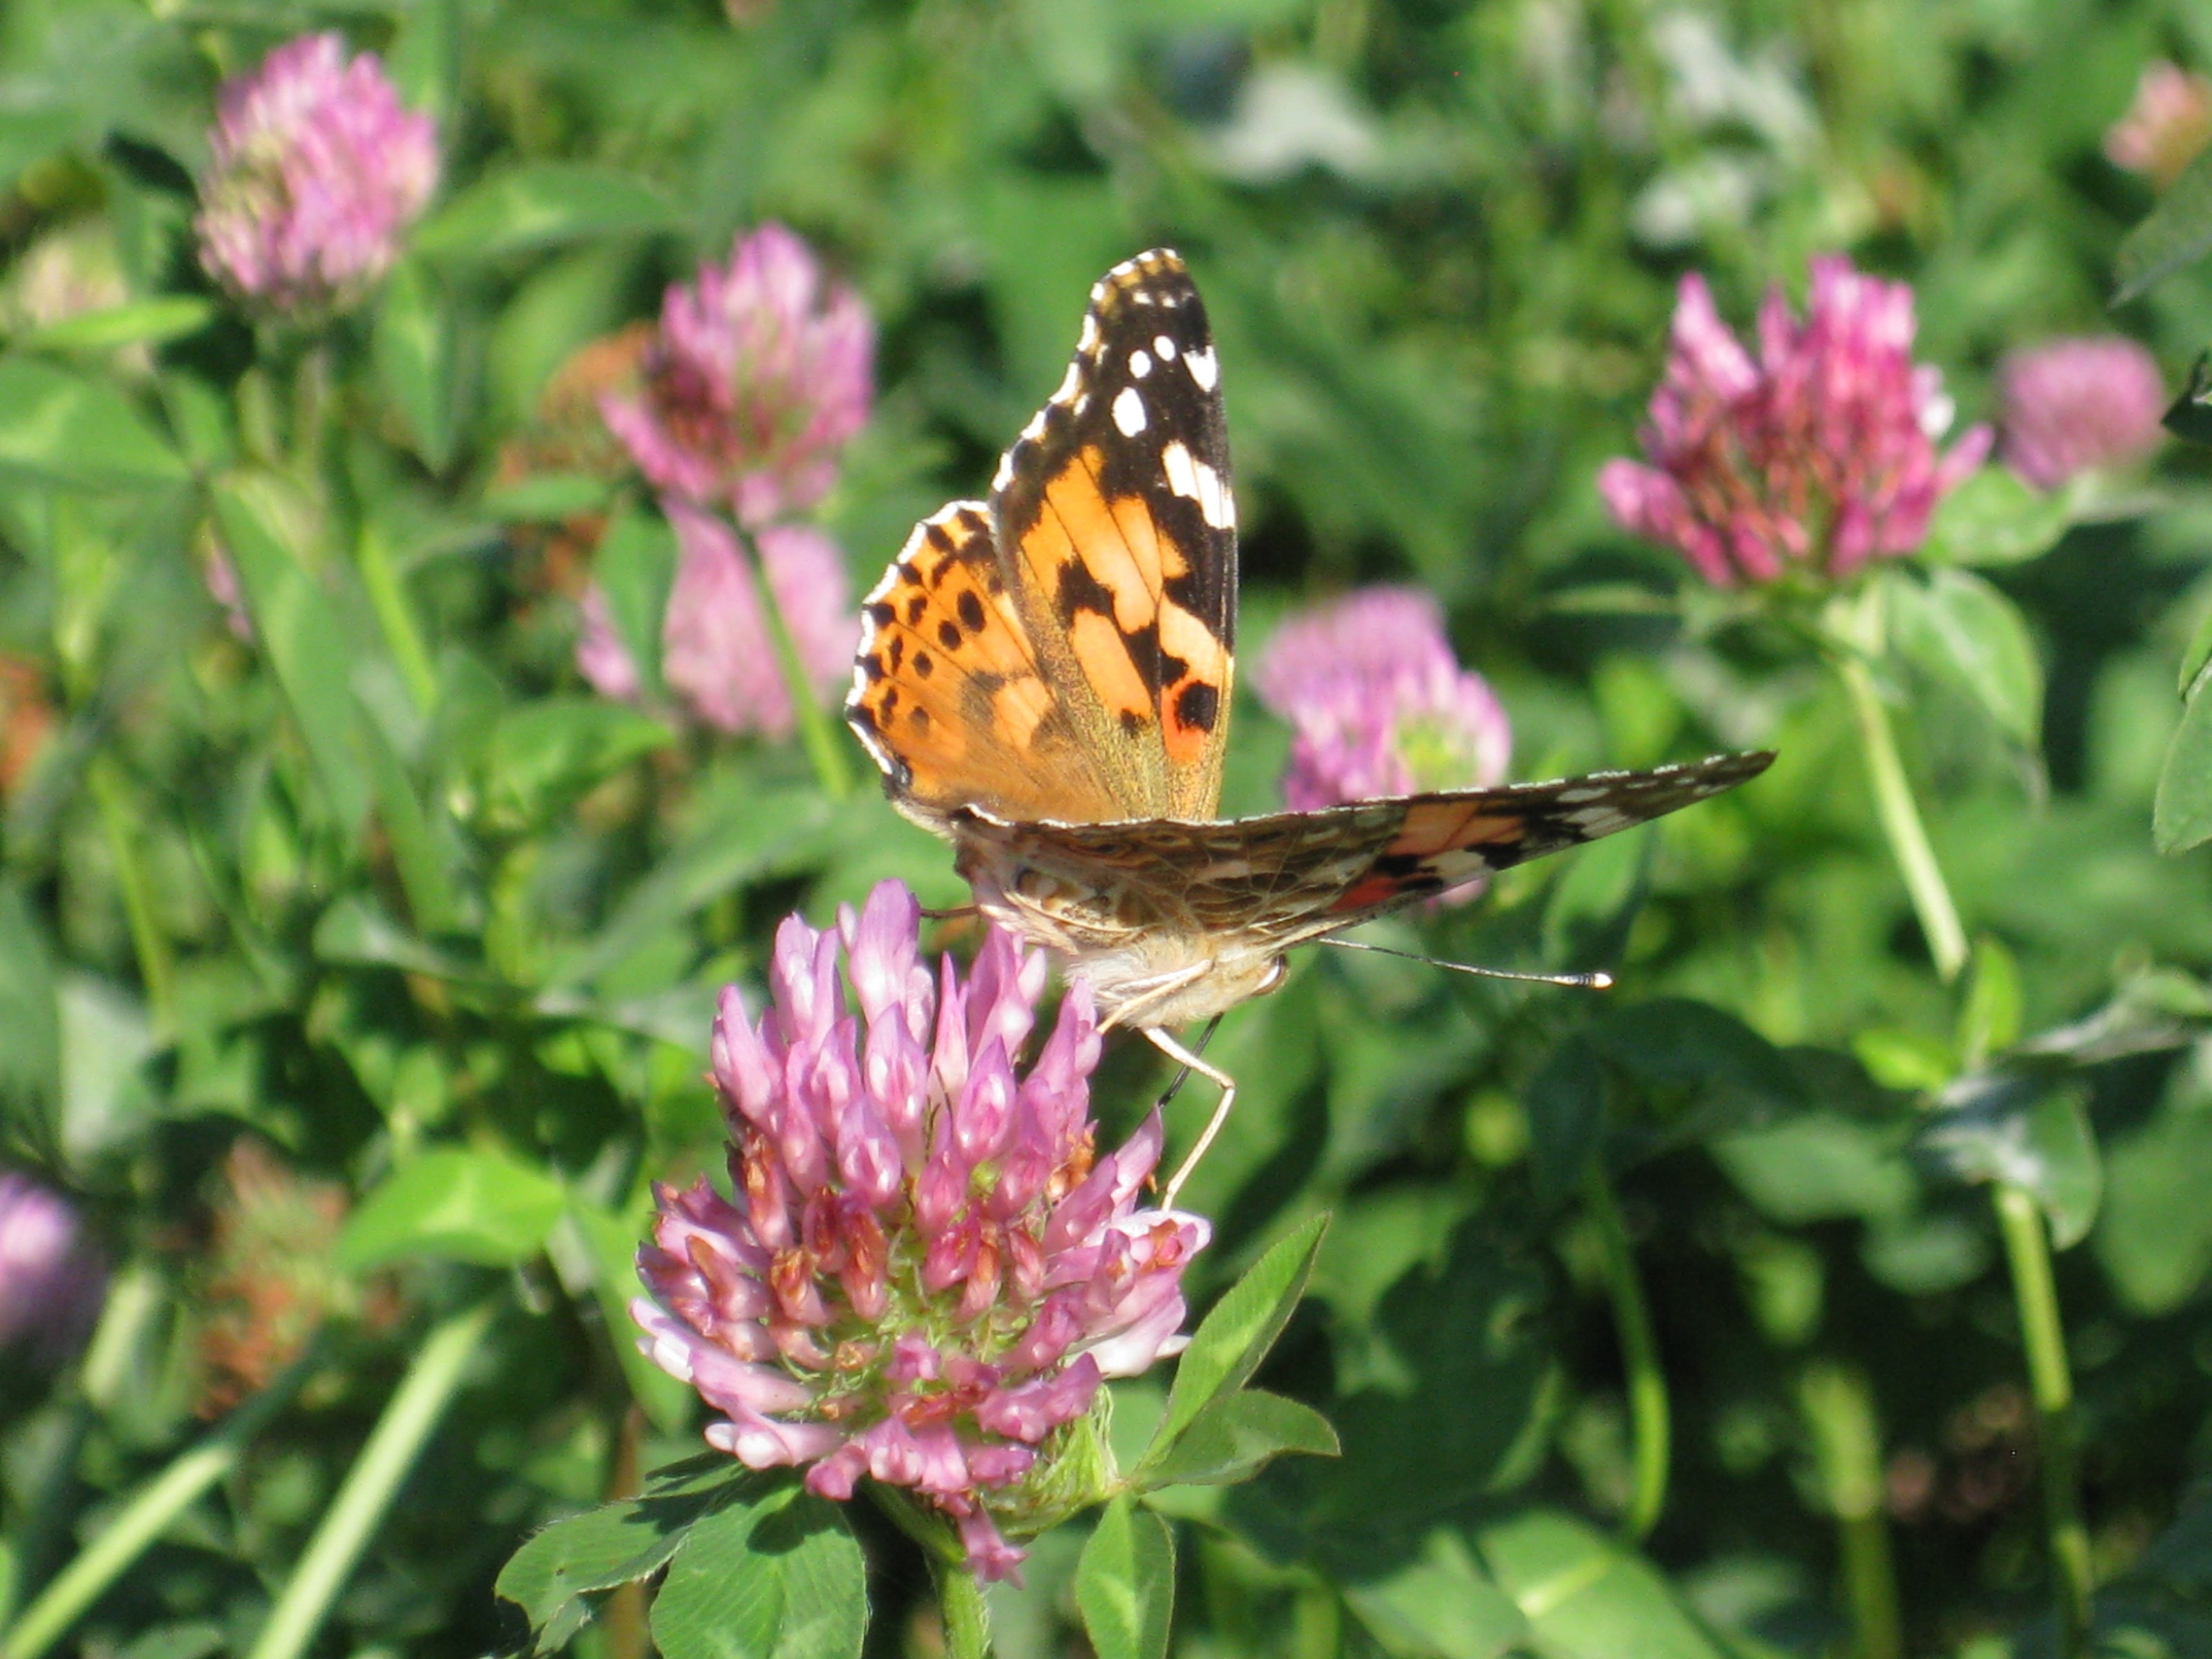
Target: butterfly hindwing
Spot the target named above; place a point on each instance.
(1114, 514)
(947, 691)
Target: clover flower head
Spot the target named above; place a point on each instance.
(315, 169)
(1378, 703)
(926, 1273)
(1817, 456)
(717, 654)
(2070, 406)
(2165, 125)
(52, 1280)
(762, 369)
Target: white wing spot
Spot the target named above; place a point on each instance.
(1068, 382)
(1089, 338)
(1143, 296)
(1203, 367)
(1215, 504)
(1139, 364)
(1577, 797)
(1164, 349)
(1182, 472)
(1129, 412)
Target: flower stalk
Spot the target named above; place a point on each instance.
(148, 1515)
(156, 967)
(371, 1484)
(2035, 1293)
(1900, 819)
(826, 751)
(1651, 1434)
(1838, 1408)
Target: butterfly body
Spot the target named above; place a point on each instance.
(1045, 681)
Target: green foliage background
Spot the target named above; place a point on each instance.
(389, 890)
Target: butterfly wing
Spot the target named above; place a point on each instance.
(1089, 614)
(948, 694)
(1115, 512)
(1270, 883)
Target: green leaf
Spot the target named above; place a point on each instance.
(63, 427)
(1235, 1337)
(1991, 1020)
(542, 205)
(1565, 1107)
(1992, 517)
(459, 1206)
(1124, 1583)
(1235, 1437)
(416, 353)
(1441, 1603)
(354, 930)
(2028, 1133)
(266, 530)
(30, 1018)
(2154, 1234)
(545, 755)
(553, 1576)
(2181, 816)
(635, 569)
(143, 322)
(1584, 1596)
(1962, 632)
(2174, 233)
(775, 1577)
(547, 498)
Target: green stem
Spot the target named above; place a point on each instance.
(1838, 1408)
(155, 966)
(960, 1599)
(1650, 1430)
(1900, 819)
(148, 1515)
(2035, 1293)
(370, 1485)
(825, 749)
(967, 1615)
(395, 616)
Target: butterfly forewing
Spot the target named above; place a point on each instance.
(1114, 515)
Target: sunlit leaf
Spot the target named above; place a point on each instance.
(1125, 1584)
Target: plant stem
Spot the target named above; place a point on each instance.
(1838, 1408)
(1650, 1430)
(155, 966)
(147, 1514)
(370, 1485)
(395, 616)
(1900, 819)
(2035, 1293)
(967, 1615)
(825, 749)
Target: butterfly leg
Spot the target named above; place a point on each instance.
(1183, 1056)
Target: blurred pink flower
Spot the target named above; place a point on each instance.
(762, 371)
(924, 1276)
(1817, 457)
(1378, 703)
(2068, 406)
(51, 1282)
(315, 169)
(717, 654)
(2166, 127)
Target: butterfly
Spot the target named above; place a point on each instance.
(1045, 677)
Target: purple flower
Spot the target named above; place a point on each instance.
(1817, 457)
(2166, 126)
(762, 371)
(315, 169)
(51, 1280)
(924, 1274)
(716, 652)
(2072, 405)
(1378, 703)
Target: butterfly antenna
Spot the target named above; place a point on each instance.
(1599, 981)
(1183, 1076)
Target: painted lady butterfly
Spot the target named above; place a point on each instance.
(1045, 682)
